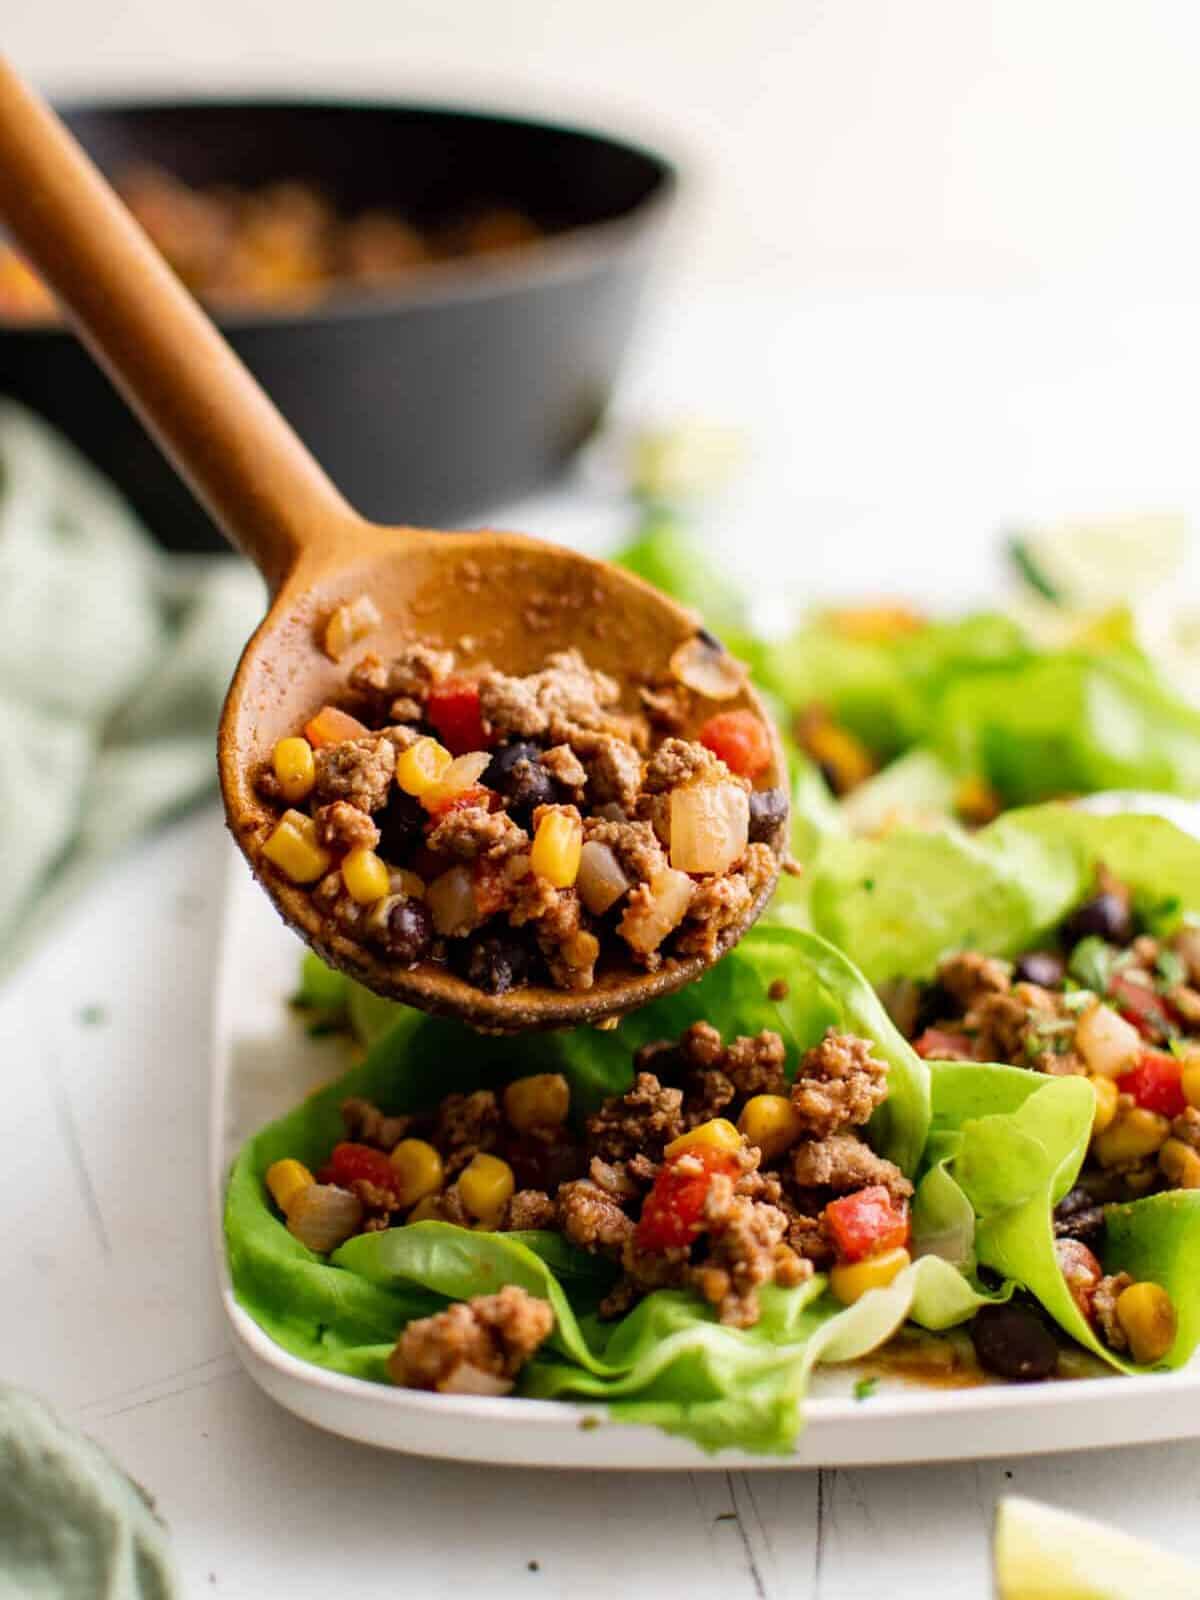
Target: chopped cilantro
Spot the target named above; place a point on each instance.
(1170, 968)
(1092, 963)
(92, 1015)
(865, 1388)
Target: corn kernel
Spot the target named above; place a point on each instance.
(366, 877)
(406, 883)
(285, 1179)
(1132, 1136)
(541, 1101)
(840, 753)
(419, 1171)
(771, 1122)
(557, 846)
(1180, 1164)
(485, 1187)
(1191, 1082)
(717, 1134)
(976, 801)
(294, 849)
(849, 1281)
(426, 1210)
(1107, 1094)
(1148, 1321)
(420, 766)
(295, 769)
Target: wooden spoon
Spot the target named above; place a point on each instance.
(492, 597)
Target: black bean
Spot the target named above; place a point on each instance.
(516, 772)
(1012, 1341)
(1046, 968)
(495, 962)
(1104, 916)
(409, 932)
(768, 809)
(401, 826)
(1078, 1215)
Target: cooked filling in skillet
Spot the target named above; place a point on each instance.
(523, 829)
(1108, 1001)
(278, 244)
(713, 1172)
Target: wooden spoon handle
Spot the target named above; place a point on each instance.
(261, 485)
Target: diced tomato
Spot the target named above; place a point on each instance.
(453, 709)
(1156, 1083)
(943, 1044)
(331, 726)
(865, 1224)
(490, 886)
(672, 1211)
(1141, 1006)
(477, 795)
(350, 1163)
(740, 740)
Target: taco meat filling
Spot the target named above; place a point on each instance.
(1107, 1000)
(525, 829)
(714, 1172)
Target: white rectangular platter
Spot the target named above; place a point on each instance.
(264, 1063)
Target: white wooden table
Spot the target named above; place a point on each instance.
(106, 1285)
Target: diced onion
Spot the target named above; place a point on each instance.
(707, 668)
(601, 882)
(451, 902)
(462, 772)
(466, 1379)
(324, 1216)
(1108, 1044)
(710, 826)
(649, 919)
(350, 623)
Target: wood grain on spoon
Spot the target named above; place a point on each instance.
(499, 598)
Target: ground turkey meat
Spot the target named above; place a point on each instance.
(475, 831)
(968, 976)
(754, 1064)
(476, 1347)
(563, 698)
(357, 770)
(1186, 1128)
(748, 1249)
(613, 766)
(720, 903)
(366, 1124)
(410, 675)
(565, 767)
(677, 762)
(529, 1210)
(843, 1162)
(839, 1084)
(1104, 1308)
(635, 845)
(641, 1122)
(591, 1218)
(466, 1124)
(1005, 1026)
(344, 827)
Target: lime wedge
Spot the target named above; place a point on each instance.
(1041, 1553)
(1094, 564)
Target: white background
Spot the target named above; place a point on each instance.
(943, 258)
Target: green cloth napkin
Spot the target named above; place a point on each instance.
(114, 659)
(72, 1525)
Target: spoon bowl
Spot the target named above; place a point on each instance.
(497, 598)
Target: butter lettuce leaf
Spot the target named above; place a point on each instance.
(1014, 1163)
(897, 905)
